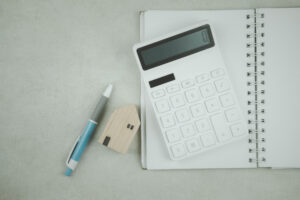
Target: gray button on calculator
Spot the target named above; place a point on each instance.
(192, 95)
(212, 105)
(187, 83)
(158, 93)
(182, 115)
(162, 106)
(202, 78)
(207, 90)
(178, 150)
(227, 100)
(238, 130)
(203, 125)
(197, 110)
(177, 101)
(173, 135)
(193, 145)
(188, 130)
(222, 85)
(217, 73)
(173, 88)
(221, 127)
(232, 115)
(167, 121)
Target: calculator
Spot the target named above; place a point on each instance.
(190, 91)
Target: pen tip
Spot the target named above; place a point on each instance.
(108, 90)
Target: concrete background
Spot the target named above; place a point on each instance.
(56, 57)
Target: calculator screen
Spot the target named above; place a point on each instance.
(175, 47)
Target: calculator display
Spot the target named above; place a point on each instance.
(175, 47)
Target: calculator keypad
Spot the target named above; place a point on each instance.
(198, 114)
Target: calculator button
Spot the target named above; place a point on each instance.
(173, 88)
(192, 95)
(173, 135)
(203, 125)
(212, 105)
(201, 78)
(197, 110)
(238, 129)
(217, 73)
(193, 145)
(162, 106)
(222, 85)
(167, 121)
(187, 130)
(177, 101)
(178, 150)
(187, 83)
(226, 100)
(182, 115)
(220, 127)
(208, 139)
(158, 93)
(207, 90)
(232, 115)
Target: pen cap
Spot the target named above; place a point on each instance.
(104, 98)
(99, 109)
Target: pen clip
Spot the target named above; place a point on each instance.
(72, 150)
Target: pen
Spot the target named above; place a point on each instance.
(82, 140)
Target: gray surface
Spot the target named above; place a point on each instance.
(55, 59)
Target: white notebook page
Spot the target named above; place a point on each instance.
(282, 59)
(230, 29)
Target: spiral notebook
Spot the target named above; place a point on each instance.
(261, 50)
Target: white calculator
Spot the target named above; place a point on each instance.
(190, 91)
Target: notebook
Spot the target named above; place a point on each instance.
(261, 50)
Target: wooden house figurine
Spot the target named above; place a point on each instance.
(121, 128)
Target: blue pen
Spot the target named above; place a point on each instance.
(82, 140)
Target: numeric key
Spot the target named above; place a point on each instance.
(178, 150)
(193, 145)
(173, 135)
(207, 90)
(212, 105)
(177, 101)
(162, 106)
(167, 121)
(197, 110)
(188, 130)
(182, 115)
(203, 125)
(192, 95)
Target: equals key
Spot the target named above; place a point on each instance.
(220, 127)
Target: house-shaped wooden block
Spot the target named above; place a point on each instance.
(121, 129)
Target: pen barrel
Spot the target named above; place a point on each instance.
(84, 139)
(99, 109)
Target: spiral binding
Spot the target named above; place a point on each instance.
(256, 83)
